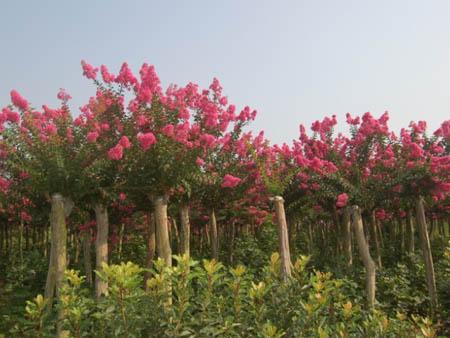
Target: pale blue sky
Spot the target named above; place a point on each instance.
(294, 61)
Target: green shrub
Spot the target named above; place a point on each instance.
(206, 299)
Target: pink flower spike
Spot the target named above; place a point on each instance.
(230, 181)
(115, 153)
(146, 140)
(18, 100)
(342, 200)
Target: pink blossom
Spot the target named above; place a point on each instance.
(146, 140)
(199, 161)
(122, 196)
(126, 76)
(115, 153)
(125, 142)
(18, 100)
(89, 71)
(106, 75)
(63, 95)
(10, 115)
(230, 181)
(25, 216)
(168, 130)
(92, 136)
(342, 200)
(51, 129)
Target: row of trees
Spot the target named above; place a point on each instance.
(180, 163)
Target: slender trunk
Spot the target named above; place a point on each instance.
(231, 243)
(162, 230)
(374, 236)
(410, 233)
(21, 242)
(364, 253)
(27, 238)
(214, 236)
(184, 230)
(87, 255)
(426, 251)
(402, 235)
(176, 235)
(310, 238)
(151, 246)
(121, 233)
(283, 238)
(347, 236)
(101, 247)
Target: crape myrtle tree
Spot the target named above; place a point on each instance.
(422, 180)
(229, 181)
(167, 136)
(41, 152)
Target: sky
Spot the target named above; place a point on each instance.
(293, 61)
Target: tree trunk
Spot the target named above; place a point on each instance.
(162, 230)
(58, 250)
(364, 253)
(232, 235)
(214, 235)
(101, 247)
(87, 255)
(283, 238)
(346, 227)
(184, 230)
(176, 236)
(374, 236)
(426, 251)
(151, 246)
(410, 233)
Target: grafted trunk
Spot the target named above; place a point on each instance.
(374, 236)
(151, 246)
(410, 233)
(364, 253)
(58, 258)
(283, 238)
(347, 232)
(162, 230)
(426, 252)
(87, 260)
(214, 235)
(184, 230)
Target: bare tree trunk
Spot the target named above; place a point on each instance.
(347, 236)
(151, 246)
(232, 235)
(176, 235)
(283, 238)
(101, 247)
(58, 250)
(426, 251)
(58, 253)
(162, 230)
(87, 255)
(121, 234)
(364, 252)
(184, 230)
(410, 233)
(214, 235)
(374, 236)
(310, 238)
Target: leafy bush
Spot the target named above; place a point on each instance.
(206, 299)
